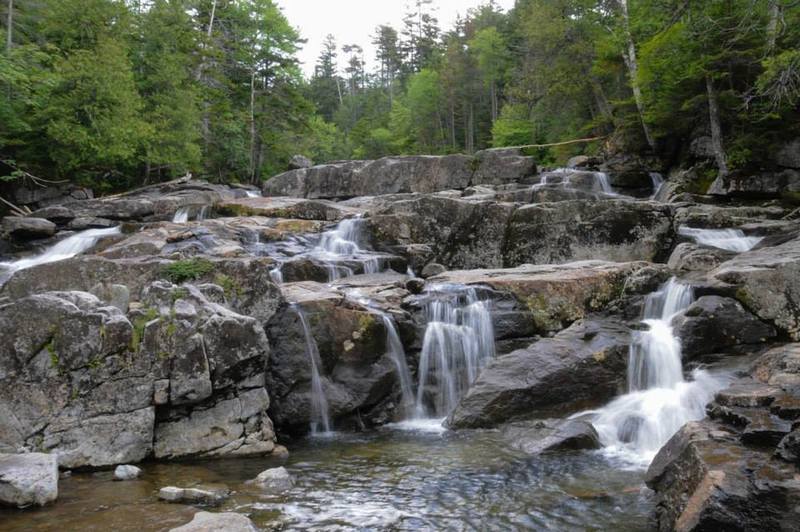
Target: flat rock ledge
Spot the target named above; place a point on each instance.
(221, 522)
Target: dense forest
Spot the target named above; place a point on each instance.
(115, 93)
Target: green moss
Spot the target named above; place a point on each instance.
(179, 293)
(705, 178)
(550, 313)
(187, 270)
(139, 325)
(95, 363)
(229, 285)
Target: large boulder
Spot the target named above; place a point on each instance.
(714, 323)
(617, 230)
(551, 435)
(284, 207)
(581, 367)
(778, 184)
(688, 257)
(30, 228)
(28, 479)
(767, 283)
(501, 166)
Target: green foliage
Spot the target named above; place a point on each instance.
(187, 270)
(139, 325)
(229, 285)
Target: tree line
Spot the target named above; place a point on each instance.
(115, 93)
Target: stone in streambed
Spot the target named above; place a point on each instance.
(274, 480)
(200, 496)
(127, 472)
(21, 228)
(217, 522)
(28, 479)
(540, 436)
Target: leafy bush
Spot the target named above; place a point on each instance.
(188, 270)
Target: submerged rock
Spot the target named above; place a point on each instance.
(217, 522)
(581, 367)
(540, 436)
(28, 479)
(200, 496)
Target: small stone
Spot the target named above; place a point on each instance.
(274, 480)
(218, 522)
(200, 496)
(127, 472)
(298, 162)
(415, 286)
(280, 452)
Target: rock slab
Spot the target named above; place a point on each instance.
(28, 479)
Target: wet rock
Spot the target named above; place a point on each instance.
(199, 496)
(580, 367)
(706, 480)
(778, 184)
(767, 282)
(275, 480)
(415, 286)
(536, 437)
(688, 257)
(127, 472)
(21, 228)
(432, 269)
(28, 479)
(217, 522)
(500, 166)
(290, 208)
(789, 447)
(616, 230)
(748, 394)
(780, 366)
(57, 214)
(300, 161)
(714, 323)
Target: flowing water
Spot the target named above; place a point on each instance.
(729, 239)
(458, 342)
(183, 214)
(395, 349)
(659, 400)
(252, 193)
(65, 249)
(658, 182)
(344, 242)
(564, 177)
(320, 414)
(389, 479)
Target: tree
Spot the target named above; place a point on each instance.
(421, 34)
(325, 86)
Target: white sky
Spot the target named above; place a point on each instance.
(354, 21)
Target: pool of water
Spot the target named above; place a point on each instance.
(397, 478)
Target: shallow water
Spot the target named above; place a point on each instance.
(397, 478)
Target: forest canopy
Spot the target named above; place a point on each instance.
(113, 93)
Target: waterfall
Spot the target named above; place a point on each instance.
(658, 182)
(252, 193)
(659, 400)
(276, 274)
(395, 349)
(320, 414)
(601, 182)
(562, 176)
(344, 242)
(729, 239)
(203, 213)
(65, 249)
(181, 216)
(458, 343)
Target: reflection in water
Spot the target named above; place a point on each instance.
(395, 480)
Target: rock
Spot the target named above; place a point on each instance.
(580, 367)
(616, 230)
(432, 269)
(714, 323)
(536, 437)
(778, 184)
(415, 285)
(127, 472)
(28, 479)
(724, 217)
(217, 522)
(200, 496)
(688, 257)
(290, 208)
(21, 228)
(298, 162)
(767, 282)
(780, 366)
(789, 447)
(501, 166)
(116, 295)
(583, 162)
(275, 480)
(55, 213)
(706, 480)
(788, 155)
(702, 148)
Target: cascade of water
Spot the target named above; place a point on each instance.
(65, 249)
(660, 401)
(276, 273)
(252, 194)
(458, 342)
(729, 239)
(658, 182)
(181, 216)
(342, 242)
(398, 354)
(320, 415)
(602, 183)
(203, 213)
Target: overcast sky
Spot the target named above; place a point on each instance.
(354, 21)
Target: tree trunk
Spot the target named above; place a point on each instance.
(10, 26)
(252, 125)
(633, 70)
(495, 110)
(716, 128)
(772, 25)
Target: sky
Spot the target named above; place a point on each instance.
(354, 21)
